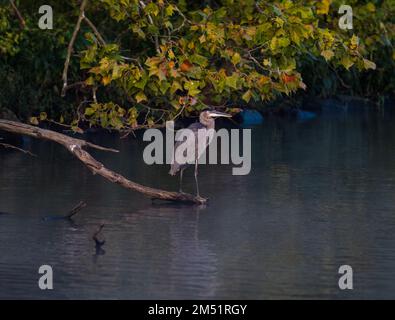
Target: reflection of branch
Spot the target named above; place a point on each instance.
(10, 146)
(70, 47)
(22, 22)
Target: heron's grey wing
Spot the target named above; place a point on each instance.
(181, 138)
(187, 138)
(196, 126)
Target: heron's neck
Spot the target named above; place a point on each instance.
(208, 123)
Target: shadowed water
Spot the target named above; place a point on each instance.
(320, 194)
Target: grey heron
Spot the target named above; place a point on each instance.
(206, 122)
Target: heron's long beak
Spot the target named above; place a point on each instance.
(217, 114)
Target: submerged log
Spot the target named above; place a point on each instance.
(75, 146)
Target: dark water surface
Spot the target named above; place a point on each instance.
(320, 194)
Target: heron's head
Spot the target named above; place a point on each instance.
(210, 115)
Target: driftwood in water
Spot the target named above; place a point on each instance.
(69, 215)
(75, 146)
(81, 205)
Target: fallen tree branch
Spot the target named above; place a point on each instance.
(75, 146)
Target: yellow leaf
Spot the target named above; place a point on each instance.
(106, 80)
(247, 96)
(171, 54)
(371, 7)
(263, 80)
(43, 116)
(327, 54)
(369, 64)
(295, 37)
(202, 38)
(354, 42)
(33, 120)
(323, 6)
(279, 22)
(169, 10)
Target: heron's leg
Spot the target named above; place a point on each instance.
(196, 179)
(181, 171)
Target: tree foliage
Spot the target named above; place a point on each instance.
(150, 61)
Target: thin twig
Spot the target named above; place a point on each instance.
(10, 146)
(339, 78)
(95, 31)
(71, 45)
(22, 22)
(75, 84)
(151, 21)
(76, 209)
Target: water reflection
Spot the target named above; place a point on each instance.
(320, 194)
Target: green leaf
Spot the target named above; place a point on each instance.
(283, 42)
(164, 86)
(138, 31)
(247, 96)
(347, 62)
(175, 86)
(192, 87)
(232, 80)
(140, 97)
(199, 59)
(151, 8)
(89, 111)
(236, 58)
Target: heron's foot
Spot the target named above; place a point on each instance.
(202, 200)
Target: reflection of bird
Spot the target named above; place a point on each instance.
(206, 121)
